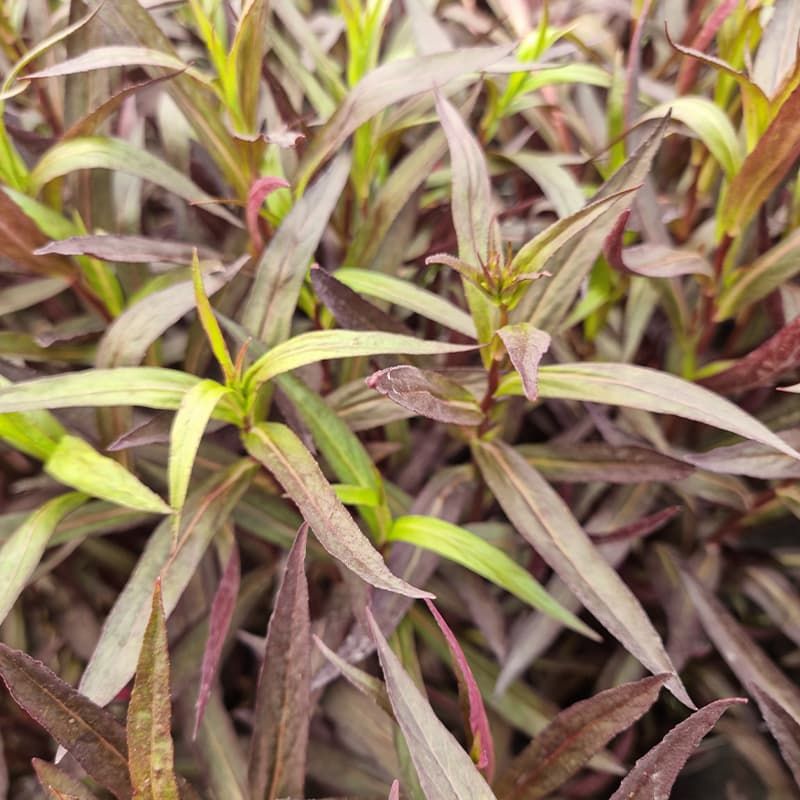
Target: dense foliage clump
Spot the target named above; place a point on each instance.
(398, 398)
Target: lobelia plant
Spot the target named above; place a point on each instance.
(352, 352)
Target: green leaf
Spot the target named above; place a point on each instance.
(308, 348)
(754, 281)
(277, 764)
(77, 464)
(445, 770)
(630, 386)
(151, 387)
(149, 734)
(283, 264)
(96, 152)
(407, 295)
(190, 422)
(113, 662)
(247, 53)
(574, 736)
(544, 520)
(471, 551)
(711, 124)
(91, 735)
(21, 552)
(27, 294)
(284, 455)
(33, 432)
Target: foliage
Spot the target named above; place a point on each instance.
(389, 399)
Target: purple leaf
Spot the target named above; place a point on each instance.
(445, 771)
(428, 394)
(259, 191)
(91, 734)
(526, 346)
(480, 733)
(574, 736)
(129, 249)
(653, 775)
(59, 785)
(283, 703)
(222, 609)
(394, 792)
(641, 527)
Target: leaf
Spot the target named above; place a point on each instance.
(129, 337)
(91, 735)
(348, 308)
(259, 191)
(34, 432)
(427, 393)
(114, 660)
(750, 459)
(526, 347)
(778, 698)
(445, 771)
(58, 784)
(762, 366)
(130, 249)
(545, 521)
(763, 169)
(150, 749)
(30, 293)
(96, 152)
(471, 551)
(653, 774)
(190, 422)
(308, 348)
(479, 731)
(574, 736)
(77, 464)
(247, 53)
(284, 455)
(407, 295)
(598, 461)
(755, 281)
(283, 265)
(21, 552)
(151, 387)
(387, 85)
(394, 792)
(546, 302)
(219, 621)
(631, 386)
(277, 762)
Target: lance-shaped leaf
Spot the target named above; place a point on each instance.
(471, 551)
(247, 53)
(151, 387)
(763, 169)
(283, 264)
(348, 308)
(762, 366)
(259, 191)
(471, 199)
(150, 749)
(471, 700)
(654, 774)
(526, 347)
(283, 701)
(114, 660)
(284, 455)
(751, 459)
(190, 422)
(96, 152)
(21, 552)
(308, 348)
(574, 736)
(445, 771)
(630, 386)
(219, 621)
(394, 792)
(129, 249)
(409, 296)
(427, 393)
(77, 464)
(91, 735)
(544, 520)
(59, 785)
(389, 84)
(778, 698)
